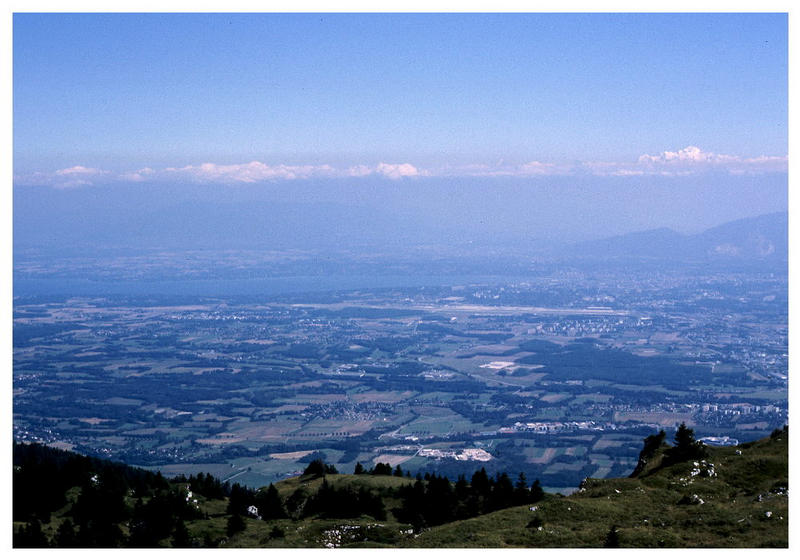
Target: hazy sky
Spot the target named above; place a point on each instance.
(123, 92)
(637, 121)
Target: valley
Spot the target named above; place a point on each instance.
(559, 377)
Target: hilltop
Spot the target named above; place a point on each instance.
(687, 495)
(734, 497)
(757, 239)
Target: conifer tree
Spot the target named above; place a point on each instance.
(612, 538)
(236, 524)
(537, 492)
(31, 536)
(686, 447)
(180, 535)
(65, 535)
(269, 503)
(522, 494)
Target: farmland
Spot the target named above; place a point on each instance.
(249, 388)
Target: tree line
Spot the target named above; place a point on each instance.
(433, 499)
(109, 495)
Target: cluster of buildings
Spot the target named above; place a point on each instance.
(463, 455)
(554, 427)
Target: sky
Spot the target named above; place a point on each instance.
(127, 91)
(676, 120)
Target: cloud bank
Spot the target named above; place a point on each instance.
(687, 161)
(255, 172)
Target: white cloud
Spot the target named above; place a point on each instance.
(686, 161)
(137, 176)
(692, 159)
(79, 170)
(256, 171)
(72, 184)
(359, 171)
(68, 178)
(500, 169)
(626, 172)
(252, 172)
(398, 170)
(539, 168)
(689, 154)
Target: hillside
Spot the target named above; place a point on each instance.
(732, 497)
(736, 497)
(762, 238)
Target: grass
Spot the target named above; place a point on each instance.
(736, 498)
(311, 532)
(744, 505)
(286, 487)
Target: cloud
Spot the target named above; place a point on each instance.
(687, 161)
(397, 170)
(68, 178)
(137, 176)
(388, 170)
(539, 168)
(256, 171)
(72, 184)
(79, 170)
(690, 160)
(500, 169)
(690, 154)
(359, 171)
(761, 164)
(252, 172)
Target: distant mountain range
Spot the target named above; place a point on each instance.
(760, 238)
(174, 218)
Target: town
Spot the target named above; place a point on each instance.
(560, 376)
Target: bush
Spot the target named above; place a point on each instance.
(318, 468)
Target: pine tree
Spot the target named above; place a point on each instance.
(236, 524)
(537, 492)
(31, 536)
(269, 503)
(684, 438)
(276, 532)
(66, 536)
(685, 445)
(180, 536)
(522, 494)
(612, 538)
(480, 483)
(502, 495)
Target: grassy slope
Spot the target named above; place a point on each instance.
(315, 532)
(646, 509)
(288, 486)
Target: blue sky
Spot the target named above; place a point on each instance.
(267, 97)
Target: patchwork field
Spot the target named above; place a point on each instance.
(254, 388)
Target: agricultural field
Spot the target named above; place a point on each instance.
(249, 388)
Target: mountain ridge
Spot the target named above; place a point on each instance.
(759, 238)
